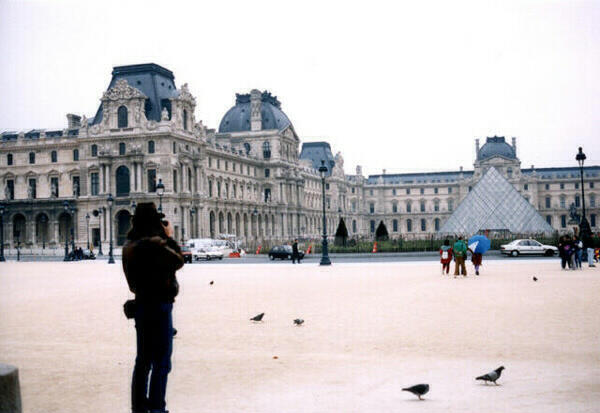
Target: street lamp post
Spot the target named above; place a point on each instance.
(160, 191)
(584, 226)
(66, 206)
(324, 250)
(2, 259)
(87, 229)
(100, 230)
(110, 200)
(192, 225)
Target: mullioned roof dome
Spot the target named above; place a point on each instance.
(237, 119)
(496, 146)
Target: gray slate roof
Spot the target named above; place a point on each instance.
(152, 80)
(237, 119)
(496, 146)
(317, 151)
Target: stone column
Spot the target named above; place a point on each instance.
(102, 189)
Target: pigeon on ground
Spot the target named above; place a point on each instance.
(418, 390)
(492, 376)
(535, 278)
(257, 317)
(211, 283)
(298, 321)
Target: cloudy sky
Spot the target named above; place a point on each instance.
(401, 86)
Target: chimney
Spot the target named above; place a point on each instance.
(383, 172)
(255, 109)
(461, 168)
(514, 144)
(73, 121)
(358, 170)
(477, 146)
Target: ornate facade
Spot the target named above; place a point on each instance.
(250, 178)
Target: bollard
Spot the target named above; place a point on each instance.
(10, 393)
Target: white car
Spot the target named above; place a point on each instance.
(527, 247)
(208, 254)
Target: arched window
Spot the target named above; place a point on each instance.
(94, 150)
(266, 150)
(185, 119)
(75, 154)
(31, 157)
(122, 180)
(9, 159)
(150, 146)
(409, 225)
(121, 148)
(122, 117)
(53, 157)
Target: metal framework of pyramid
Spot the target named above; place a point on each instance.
(494, 204)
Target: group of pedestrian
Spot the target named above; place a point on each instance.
(571, 251)
(458, 252)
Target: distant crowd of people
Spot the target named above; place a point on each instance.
(571, 252)
(458, 252)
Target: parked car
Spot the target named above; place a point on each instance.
(208, 254)
(527, 247)
(187, 254)
(283, 252)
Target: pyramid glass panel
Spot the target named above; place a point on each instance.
(495, 205)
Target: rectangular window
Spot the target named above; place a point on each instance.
(248, 170)
(174, 180)
(32, 188)
(54, 186)
(576, 185)
(95, 183)
(327, 187)
(422, 190)
(370, 191)
(407, 191)
(547, 187)
(423, 225)
(449, 190)
(76, 189)
(422, 206)
(549, 219)
(218, 164)
(372, 208)
(53, 157)
(267, 172)
(435, 190)
(210, 184)
(394, 191)
(450, 205)
(562, 186)
(372, 226)
(75, 154)
(563, 202)
(210, 162)
(593, 220)
(394, 207)
(577, 201)
(10, 184)
(354, 207)
(436, 206)
(151, 180)
(395, 225)
(267, 194)
(234, 166)
(226, 165)
(353, 190)
(591, 185)
(408, 225)
(548, 200)
(563, 221)
(526, 187)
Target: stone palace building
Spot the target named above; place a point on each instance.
(252, 178)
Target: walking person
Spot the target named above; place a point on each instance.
(446, 256)
(150, 259)
(476, 259)
(563, 252)
(578, 252)
(295, 253)
(460, 254)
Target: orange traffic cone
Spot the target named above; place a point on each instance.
(309, 249)
(258, 249)
(374, 247)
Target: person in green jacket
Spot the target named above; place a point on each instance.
(460, 254)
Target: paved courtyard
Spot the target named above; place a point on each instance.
(371, 329)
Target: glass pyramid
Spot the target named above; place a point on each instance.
(495, 205)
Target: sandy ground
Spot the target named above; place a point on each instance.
(370, 330)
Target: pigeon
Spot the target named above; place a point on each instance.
(535, 278)
(418, 390)
(211, 283)
(298, 321)
(491, 376)
(257, 317)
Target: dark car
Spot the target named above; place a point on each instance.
(283, 252)
(187, 254)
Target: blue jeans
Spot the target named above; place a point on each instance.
(578, 255)
(154, 328)
(590, 254)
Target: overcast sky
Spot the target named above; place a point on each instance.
(405, 86)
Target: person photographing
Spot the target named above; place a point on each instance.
(150, 259)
